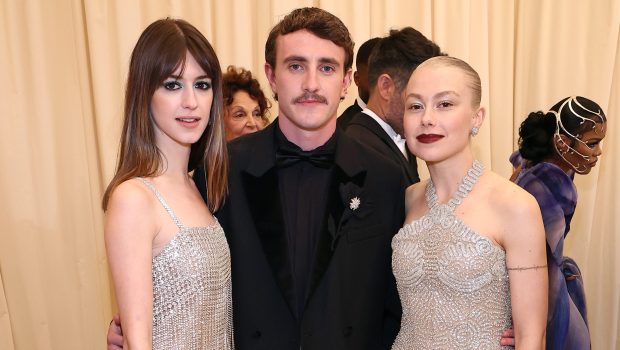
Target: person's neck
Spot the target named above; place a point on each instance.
(361, 102)
(307, 139)
(375, 105)
(448, 174)
(378, 106)
(175, 158)
(556, 160)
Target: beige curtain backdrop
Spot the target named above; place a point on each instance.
(63, 65)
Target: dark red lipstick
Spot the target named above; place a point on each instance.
(428, 138)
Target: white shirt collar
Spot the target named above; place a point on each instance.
(360, 102)
(398, 140)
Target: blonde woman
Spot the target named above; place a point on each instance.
(470, 259)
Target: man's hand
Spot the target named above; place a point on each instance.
(115, 334)
(508, 337)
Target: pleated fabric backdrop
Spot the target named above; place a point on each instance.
(64, 64)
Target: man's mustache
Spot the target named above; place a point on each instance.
(309, 96)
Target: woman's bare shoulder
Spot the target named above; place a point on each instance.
(510, 200)
(131, 210)
(131, 195)
(415, 194)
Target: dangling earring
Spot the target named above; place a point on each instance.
(474, 131)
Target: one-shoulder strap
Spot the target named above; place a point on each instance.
(162, 201)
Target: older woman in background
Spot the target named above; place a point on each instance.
(245, 105)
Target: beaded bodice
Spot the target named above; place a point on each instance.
(452, 282)
(192, 294)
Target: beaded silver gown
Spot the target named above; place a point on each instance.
(192, 306)
(452, 282)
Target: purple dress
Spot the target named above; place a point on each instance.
(567, 325)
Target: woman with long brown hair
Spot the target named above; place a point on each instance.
(168, 255)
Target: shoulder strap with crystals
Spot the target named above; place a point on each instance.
(163, 202)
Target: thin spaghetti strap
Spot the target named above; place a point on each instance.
(162, 201)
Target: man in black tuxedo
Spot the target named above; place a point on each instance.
(380, 124)
(361, 80)
(310, 217)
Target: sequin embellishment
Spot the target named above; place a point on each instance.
(452, 282)
(192, 290)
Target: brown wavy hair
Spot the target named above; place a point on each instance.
(318, 22)
(240, 79)
(159, 52)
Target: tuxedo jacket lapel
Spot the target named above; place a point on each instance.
(260, 182)
(347, 172)
(328, 237)
(409, 165)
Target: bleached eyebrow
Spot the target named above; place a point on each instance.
(436, 96)
(414, 95)
(446, 93)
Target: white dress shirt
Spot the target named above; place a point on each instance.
(398, 140)
(360, 102)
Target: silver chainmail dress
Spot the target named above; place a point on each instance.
(452, 282)
(192, 306)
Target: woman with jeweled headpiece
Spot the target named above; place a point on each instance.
(553, 147)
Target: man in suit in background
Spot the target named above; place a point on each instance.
(361, 80)
(380, 124)
(309, 217)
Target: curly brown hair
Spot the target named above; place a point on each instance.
(240, 79)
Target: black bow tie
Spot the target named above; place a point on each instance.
(287, 156)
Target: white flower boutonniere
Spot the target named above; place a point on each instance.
(355, 203)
